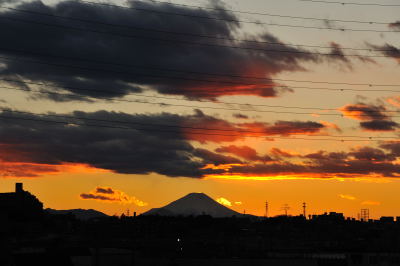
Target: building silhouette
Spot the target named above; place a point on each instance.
(20, 204)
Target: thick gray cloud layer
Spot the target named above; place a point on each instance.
(134, 144)
(124, 151)
(359, 162)
(142, 50)
(147, 148)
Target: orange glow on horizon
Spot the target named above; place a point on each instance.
(305, 176)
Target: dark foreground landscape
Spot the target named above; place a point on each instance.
(33, 236)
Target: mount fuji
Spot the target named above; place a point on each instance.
(194, 204)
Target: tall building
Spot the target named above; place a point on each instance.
(20, 204)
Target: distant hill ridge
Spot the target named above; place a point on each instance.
(80, 214)
(194, 204)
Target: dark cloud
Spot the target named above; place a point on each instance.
(131, 144)
(153, 149)
(374, 117)
(215, 158)
(357, 163)
(30, 148)
(93, 196)
(361, 154)
(225, 131)
(108, 194)
(244, 152)
(363, 160)
(107, 190)
(285, 128)
(160, 143)
(121, 78)
(330, 24)
(337, 52)
(372, 154)
(363, 166)
(362, 111)
(338, 55)
(387, 50)
(240, 116)
(393, 147)
(395, 25)
(321, 155)
(379, 125)
(268, 169)
(222, 130)
(281, 153)
(9, 1)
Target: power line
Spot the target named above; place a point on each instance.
(318, 82)
(180, 99)
(255, 13)
(205, 107)
(360, 138)
(192, 34)
(171, 126)
(237, 20)
(182, 105)
(194, 72)
(379, 112)
(240, 21)
(137, 73)
(179, 78)
(153, 96)
(161, 40)
(351, 3)
(99, 126)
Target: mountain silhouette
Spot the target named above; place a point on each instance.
(194, 204)
(80, 214)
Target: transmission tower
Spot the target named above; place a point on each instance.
(285, 207)
(266, 209)
(364, 215)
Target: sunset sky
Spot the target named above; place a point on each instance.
(133, 104)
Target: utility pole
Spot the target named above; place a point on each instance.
(266, 209)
